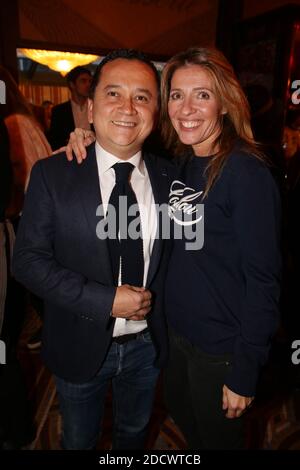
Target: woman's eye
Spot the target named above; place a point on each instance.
(175, 96)
(203, 95)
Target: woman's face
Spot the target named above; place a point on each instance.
(194, 109)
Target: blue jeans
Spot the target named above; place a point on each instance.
(129, 367)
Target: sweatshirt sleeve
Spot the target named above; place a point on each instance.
(257, 223)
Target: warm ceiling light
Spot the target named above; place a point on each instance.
(61, 62)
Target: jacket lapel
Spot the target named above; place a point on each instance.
(160, 182)
(69, 113)
(90, 196)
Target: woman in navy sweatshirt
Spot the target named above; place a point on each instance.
(222, 297)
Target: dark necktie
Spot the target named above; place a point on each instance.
(128, 249)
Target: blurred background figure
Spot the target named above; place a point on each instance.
(27, 140)
(73, 113)
(47, 106)
(43, 114)
(5, 189)
(16, 424)
(265, 123)
(27, 144)
(291, 146)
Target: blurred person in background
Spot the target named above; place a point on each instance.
(266, 128)
(27, 144)
(74, 112)
(47, 106)
(16, 424)
(27, 140)
(291, 146)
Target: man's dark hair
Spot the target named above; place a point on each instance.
(76, 72)
(128, 54)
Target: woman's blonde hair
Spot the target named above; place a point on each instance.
(235, 124)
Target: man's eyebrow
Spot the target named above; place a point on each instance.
(144, 90)
(139, 90)
(112, 86)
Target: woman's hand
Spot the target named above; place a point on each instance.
(79, 140)
(235, 404)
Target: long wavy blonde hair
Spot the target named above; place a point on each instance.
(234, 125)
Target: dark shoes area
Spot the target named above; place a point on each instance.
(11, 445)
(17, 428)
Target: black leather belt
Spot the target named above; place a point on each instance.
(125, 338)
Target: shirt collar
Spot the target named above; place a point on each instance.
(106, 160)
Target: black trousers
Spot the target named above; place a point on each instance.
(193, 394)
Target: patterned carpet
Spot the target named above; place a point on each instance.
(163, 432)
(272, 423)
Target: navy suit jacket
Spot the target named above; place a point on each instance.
(58, 256)
(62, 124)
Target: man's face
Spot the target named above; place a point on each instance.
(82, 84)
(124, 107)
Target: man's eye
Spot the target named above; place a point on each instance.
(142, 98)
(112, 93)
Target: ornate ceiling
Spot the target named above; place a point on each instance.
(159, 27)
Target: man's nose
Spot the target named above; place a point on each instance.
(128, 106)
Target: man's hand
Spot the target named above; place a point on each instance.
(60, 150)
(79, 140)
(131, 302)
(235, 404)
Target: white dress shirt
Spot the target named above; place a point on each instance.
(141, 186)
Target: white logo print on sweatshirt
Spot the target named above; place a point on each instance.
(185, 203)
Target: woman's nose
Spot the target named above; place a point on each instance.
(187, 106)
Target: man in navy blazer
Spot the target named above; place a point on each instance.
(96, 332)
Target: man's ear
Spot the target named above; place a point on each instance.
(90, 110)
